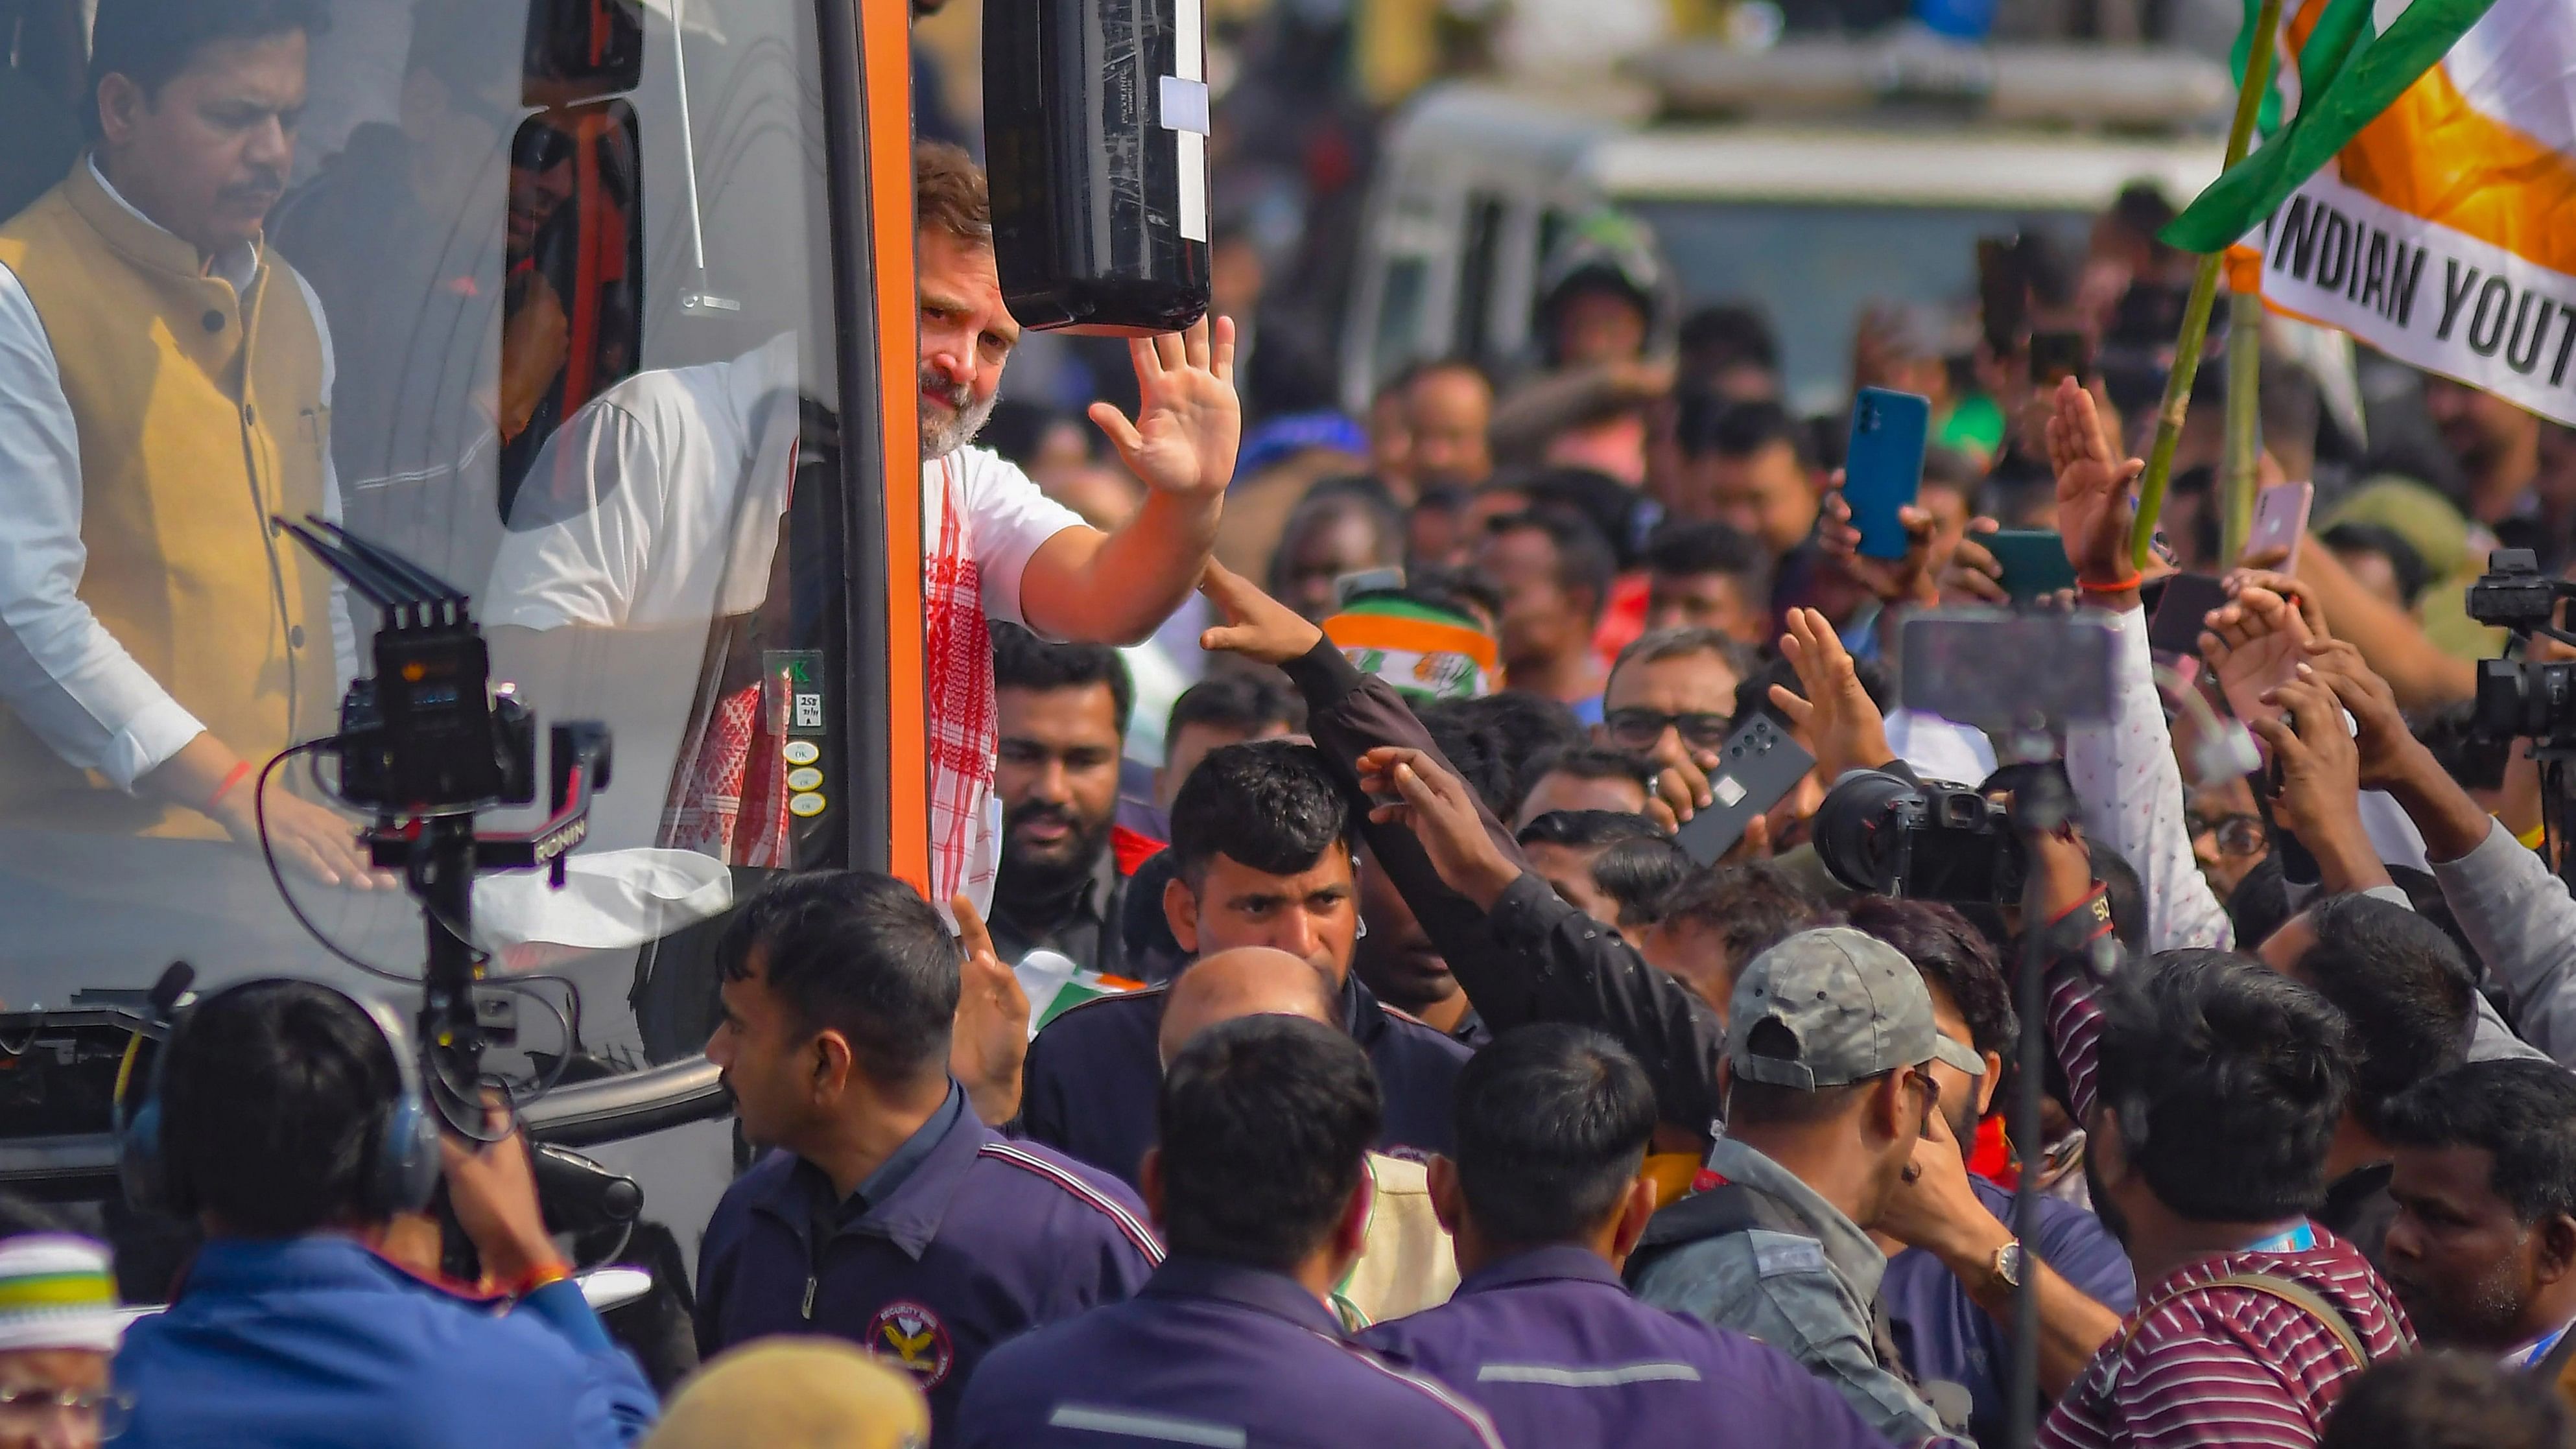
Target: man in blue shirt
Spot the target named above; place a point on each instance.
(1544, 1200)
(288, 1126)
(1257, 1181)
(1262, 841)
(890, 1214)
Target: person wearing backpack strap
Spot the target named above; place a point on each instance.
(2209, 1088)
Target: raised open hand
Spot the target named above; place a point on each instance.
(1839, 723)
(1188, 420)
(2097, 491)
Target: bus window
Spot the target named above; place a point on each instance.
(1470, 335)
(548, 307)
(1397, 338)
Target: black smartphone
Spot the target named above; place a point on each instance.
(1759, 764)
(2058, 355)
(2148, 314)
(2003, 293)
(2033, 561)
(2180, 609)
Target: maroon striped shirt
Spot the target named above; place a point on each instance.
(2214, 1365)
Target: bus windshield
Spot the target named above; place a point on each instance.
(535, 293)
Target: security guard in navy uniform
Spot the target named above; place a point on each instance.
(1258, 1182)
(889, 1214)
(1262, 853)
(1543, 1197)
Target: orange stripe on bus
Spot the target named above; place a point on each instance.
(885, 65)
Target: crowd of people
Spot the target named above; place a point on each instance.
(1314, 1029)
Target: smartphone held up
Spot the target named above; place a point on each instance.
(1883, 467)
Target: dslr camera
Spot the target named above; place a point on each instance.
(1883, 834)
(2521, 698)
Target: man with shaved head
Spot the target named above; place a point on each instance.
(1246, 981)
(1406, 1263)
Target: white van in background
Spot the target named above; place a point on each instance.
(1810, 180)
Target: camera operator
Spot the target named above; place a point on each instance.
(2514, 911)
(287, 1126)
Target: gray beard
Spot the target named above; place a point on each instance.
(939, 439)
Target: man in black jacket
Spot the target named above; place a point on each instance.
(1261, 845)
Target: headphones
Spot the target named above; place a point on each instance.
(402, 1154)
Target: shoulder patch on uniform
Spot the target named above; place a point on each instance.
(1072, 1182)
(1781, 1256)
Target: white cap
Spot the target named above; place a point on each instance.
(56, 1291)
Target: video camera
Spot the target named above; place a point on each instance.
(2522, 698)
(1883, 834)
(2024, 677)
(426, 744)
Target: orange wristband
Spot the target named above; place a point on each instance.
(239, 772)
(543, 1277)
(2122, 587)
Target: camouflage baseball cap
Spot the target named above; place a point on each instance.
(1854, 1004)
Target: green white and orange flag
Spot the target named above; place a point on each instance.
(2423, 195)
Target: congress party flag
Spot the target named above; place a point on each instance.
(2423, 195)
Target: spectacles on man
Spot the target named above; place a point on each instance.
(25, 1410)
(2237, 833)
(1639, 729)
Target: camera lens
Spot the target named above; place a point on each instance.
(1858, 828)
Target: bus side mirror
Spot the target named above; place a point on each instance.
(1095, 134)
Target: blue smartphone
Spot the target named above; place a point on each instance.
(1884, 465)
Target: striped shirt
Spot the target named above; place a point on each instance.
(2213, 1365)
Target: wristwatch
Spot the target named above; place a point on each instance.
(2005, 1267)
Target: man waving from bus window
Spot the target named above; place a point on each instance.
(996, 548)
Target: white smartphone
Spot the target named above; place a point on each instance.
(2281, 521)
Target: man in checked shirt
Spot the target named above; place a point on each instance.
(2209, 1088)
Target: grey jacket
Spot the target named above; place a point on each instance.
(2517, 913)
(1808, 1297)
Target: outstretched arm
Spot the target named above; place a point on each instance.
(1518, 950)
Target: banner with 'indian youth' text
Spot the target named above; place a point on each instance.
(2444, 231)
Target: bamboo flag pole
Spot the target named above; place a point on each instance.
(2244, 415)
(2204, 294)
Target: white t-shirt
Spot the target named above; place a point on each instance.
(658, 504)
(1005, 521)
(1007, 518)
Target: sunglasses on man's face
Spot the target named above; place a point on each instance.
(1640, 729)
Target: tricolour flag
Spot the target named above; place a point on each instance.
(2423, 197)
